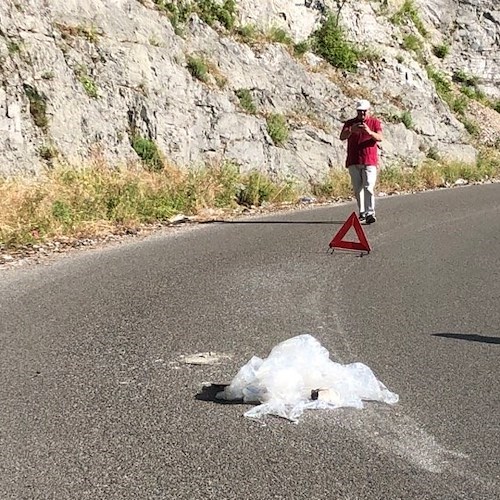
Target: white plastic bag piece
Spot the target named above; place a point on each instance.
(294, 370)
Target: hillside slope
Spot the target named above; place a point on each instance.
(87, 78)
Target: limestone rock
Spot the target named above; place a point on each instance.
(84, 77)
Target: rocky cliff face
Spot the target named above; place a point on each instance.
(85, 77)
(472, 28)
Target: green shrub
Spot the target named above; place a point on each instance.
(148, 152)
(62, 212)
(329, 42)
(412, 42)
(409, 12)
(471, 127)
(89, 86)
(246, 101)
(441, 50)
(397, 178)
(38, 106)
(368, 54)
(48, 152)
(277, 128)
(13, 47)
(459, 104)
(91, 33)
(479, 95)
(407, 119)
(336, 184)
(470, 92)
(227, 14)
(256, 189)
(496, 106)
(177, 12)
(460, 76)
(227, 179)
(87, 82)
(279, 35)
(198, 68)
(484, 168)
(433, 153)
(210, 12)
(469, 86)
(248, 33)
(299, 49)
(441, 82)
(391, 118)
(474, 93)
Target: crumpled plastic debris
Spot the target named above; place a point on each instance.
(299, 375)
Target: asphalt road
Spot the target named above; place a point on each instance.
(96, 401)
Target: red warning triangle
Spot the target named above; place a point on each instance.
(362, 244)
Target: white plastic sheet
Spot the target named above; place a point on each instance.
(284, 381)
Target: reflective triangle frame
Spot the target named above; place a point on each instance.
(338, 241)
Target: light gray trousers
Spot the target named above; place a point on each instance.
(363, 179)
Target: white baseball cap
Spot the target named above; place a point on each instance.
(362, 105)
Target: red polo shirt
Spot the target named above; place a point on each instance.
(362, 148)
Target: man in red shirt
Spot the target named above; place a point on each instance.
(362, 134)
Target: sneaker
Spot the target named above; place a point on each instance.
(370, 219)
(362, 217)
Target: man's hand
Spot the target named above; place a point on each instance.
(359, 127)
(363, 127)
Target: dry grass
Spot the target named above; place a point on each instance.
(302, 117)
(97, 199)
(349, 87)
(429, 175)
(219, 78)
(337, 184)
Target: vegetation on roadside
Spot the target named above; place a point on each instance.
(69, 202)
(430, 174)
(148, 152)
(433, 174)
(85, 202)
(88, 201)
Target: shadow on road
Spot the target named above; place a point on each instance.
(208, 394)
(222, 221)
(473, 337)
